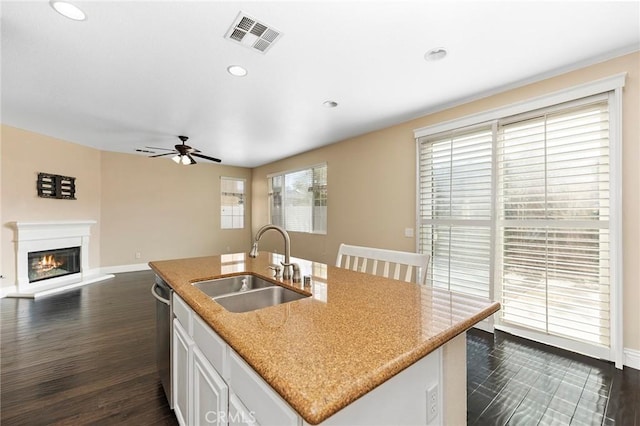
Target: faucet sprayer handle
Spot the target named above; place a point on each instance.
(277, 271)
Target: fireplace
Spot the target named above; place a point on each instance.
(53, 256)
(47, 264)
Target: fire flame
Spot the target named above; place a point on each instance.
(48, 263)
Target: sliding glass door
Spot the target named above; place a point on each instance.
(518, 209)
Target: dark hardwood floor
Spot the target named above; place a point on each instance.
(88, 357)
(514, 381)
(83, 357)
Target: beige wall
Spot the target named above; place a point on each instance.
(372, 183)
(2, 277)
(164, 211)
(24, 154)
(149, 206)
(371, 189)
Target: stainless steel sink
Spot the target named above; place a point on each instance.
(231, 285)
(258, 299)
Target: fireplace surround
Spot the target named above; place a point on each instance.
(52, 256)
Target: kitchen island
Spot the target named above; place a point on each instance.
(348, 339)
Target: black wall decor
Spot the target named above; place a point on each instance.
(56, 186)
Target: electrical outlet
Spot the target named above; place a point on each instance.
(137, 255)
(432, 403)
(408, 232)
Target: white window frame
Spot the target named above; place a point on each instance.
(244, 197)
(612, 85)
(283, 174)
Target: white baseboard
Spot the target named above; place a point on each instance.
(8, 290)
(125, 268)
(632, 358)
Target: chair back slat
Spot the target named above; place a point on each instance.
(363, 266)
(396, 272)
(385, 271)
(400, 260)
(407, 275)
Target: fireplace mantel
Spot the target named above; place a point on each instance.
(39, 236)
(29, 231)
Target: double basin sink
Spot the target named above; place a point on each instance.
(244, 293)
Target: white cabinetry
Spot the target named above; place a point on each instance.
(181, 373)
(239, 415)
(213, 385)
(210, 393)
(200, 393)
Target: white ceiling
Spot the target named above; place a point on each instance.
(140, 73)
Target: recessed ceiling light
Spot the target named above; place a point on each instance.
(436, 54)
(68, 10)
(237, 70)
(330, 104)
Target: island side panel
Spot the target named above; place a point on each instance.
(455, 380)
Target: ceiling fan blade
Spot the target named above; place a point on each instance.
(162, 155)
(206, 157)
(155, 147)
(191, 158)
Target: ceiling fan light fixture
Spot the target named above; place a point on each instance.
(182, 153)
(68, 10)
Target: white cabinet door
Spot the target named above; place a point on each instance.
(239, 415)
(210, 393)
(181, 373)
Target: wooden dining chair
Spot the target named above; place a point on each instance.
(370, 260)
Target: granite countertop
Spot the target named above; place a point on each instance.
(323, 352)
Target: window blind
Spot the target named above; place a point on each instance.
(455, 208)
(519, 209)
(554, 221)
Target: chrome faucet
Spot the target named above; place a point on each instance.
(287, 265)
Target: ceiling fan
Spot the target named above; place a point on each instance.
(183, 154)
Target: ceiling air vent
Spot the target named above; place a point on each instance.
(253, 34)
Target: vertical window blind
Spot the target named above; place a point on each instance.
(518, 209)
(298, 199)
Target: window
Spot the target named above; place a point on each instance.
(519, 208)
(232, 201)
(298, 200)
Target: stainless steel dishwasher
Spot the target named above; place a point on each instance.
(164, 336)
